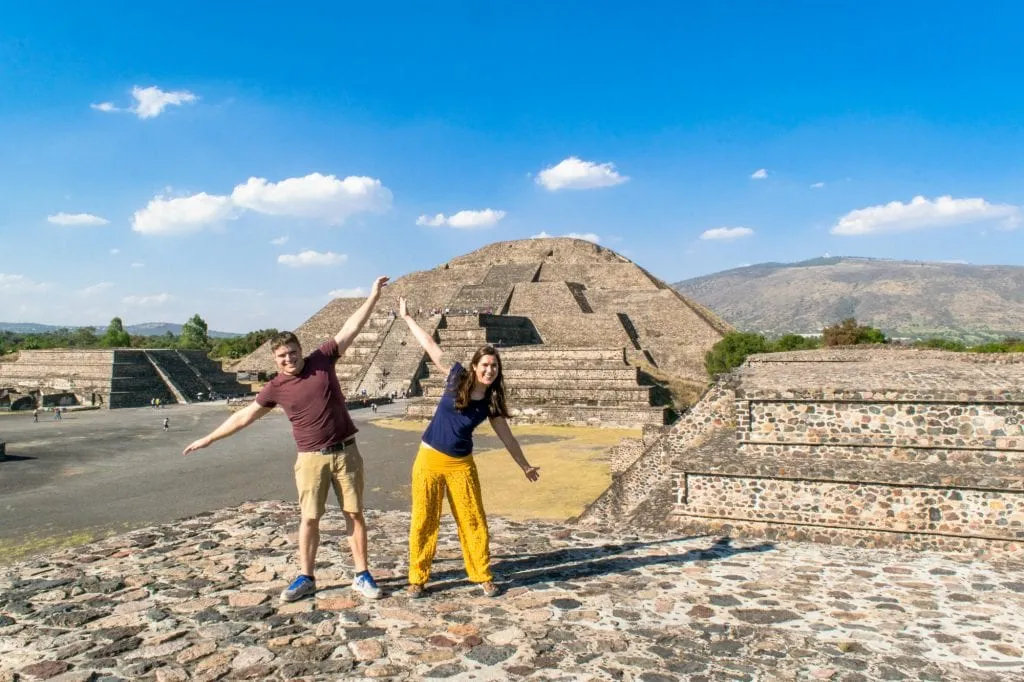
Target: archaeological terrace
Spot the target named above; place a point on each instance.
(866, 446)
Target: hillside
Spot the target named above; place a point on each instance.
(972, 303)
(144, 329)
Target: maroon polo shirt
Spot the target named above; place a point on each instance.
(312, 401)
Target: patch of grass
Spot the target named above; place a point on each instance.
(13, 551)
(574, 469)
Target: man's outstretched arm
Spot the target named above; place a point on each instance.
(356, 320)
(233, 424)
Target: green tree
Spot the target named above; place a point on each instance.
(241, 346)
(793, 342)
(731, 350)
(849, 333)
(194, 334)
(116, 336)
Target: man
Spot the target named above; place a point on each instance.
(167, 423)
(307, 389)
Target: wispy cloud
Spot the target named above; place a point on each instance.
(148, 300)
(586, 236)
(76, 219)
(310, 258)
(95, 289)
(759, 174)
(921, 213)
(464, 220)
(279, 241)
(357, 292)
(138, 265)
(575, 173)
(150, 101)
(818, 185)
(114, 252)
(726, 233)
(19, 284)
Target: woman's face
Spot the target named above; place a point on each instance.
(486, 370)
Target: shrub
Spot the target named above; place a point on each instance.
(732, 350)
(848, 333)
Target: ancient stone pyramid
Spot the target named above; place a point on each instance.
(574, 321)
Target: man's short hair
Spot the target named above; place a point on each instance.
(284, 339)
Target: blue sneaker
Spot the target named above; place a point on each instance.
(300, 587)
(365, 585)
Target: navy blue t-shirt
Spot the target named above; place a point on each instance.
(450, 430)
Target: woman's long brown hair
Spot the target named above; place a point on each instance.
(495, 392)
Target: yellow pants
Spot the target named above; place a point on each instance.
(433, 474)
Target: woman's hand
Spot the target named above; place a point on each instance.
(532, 473)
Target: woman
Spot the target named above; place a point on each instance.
(444, 462)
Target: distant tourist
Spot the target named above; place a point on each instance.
(167, 423)
(35, 415)
(445, 461)
(307, 389)
(56, 415)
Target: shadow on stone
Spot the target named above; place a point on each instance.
(589, 562)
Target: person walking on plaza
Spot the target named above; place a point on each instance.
(35, 415)
(444, 463)
(307, 389)
(167, 423)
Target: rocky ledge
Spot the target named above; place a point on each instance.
(197, 600)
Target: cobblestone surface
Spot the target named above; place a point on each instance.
(197, 600)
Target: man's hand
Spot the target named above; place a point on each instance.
(403, 309)
(196, 445)
(532, 473)
(378, 284)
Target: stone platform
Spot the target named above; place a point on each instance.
(197, 600)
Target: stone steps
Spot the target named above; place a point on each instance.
(434, 383)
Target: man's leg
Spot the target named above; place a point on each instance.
(355, 529)
(309, 543)
(312, 479)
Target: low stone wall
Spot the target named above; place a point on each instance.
(770, 452)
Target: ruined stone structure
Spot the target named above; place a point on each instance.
(574, 321)
(870, 446)
(114, 378)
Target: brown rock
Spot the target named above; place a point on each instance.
(243, 599)
(45, 669)
(336, 603)
(367, 649)
(196, 651)
(171, 674)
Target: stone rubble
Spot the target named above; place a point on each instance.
(198, 600)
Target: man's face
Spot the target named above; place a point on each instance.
(288, 359)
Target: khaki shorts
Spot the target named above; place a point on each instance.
(315, 472)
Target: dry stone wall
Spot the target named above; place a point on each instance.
(937, 464)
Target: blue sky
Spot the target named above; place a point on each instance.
(246, 163)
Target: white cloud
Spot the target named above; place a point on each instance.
(358, 292)
(150, 102)
(922, 213)
(574, 173)
(586, 236)
(464, 220)
(279, 241)
(183, 214)
(759, 174)
(138, 265)
(818, 185)
(19, 284)
(324, 197)
(311, 258)
(726, 233)
(86, 219)
(147, 300)
(95, 289)
(114, 252)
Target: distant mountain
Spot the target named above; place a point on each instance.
(972, 303)
(144, 329)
